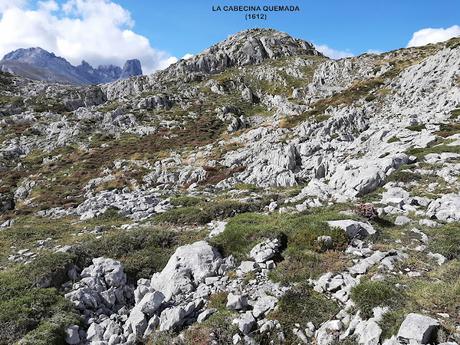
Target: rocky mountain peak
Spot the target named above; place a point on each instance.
(131, 68)
(36, 55)
(245, 48)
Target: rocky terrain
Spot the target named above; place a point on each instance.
(257, 193)
(38, 64)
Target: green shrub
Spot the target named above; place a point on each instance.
(49, 269)
(455, 114)
(416, 128)
(203, 213)
(370, 294)
(393, 140)
(403, 174)
(24, 307)
(192, 215)
(185, 200)
(300, 305)
(298, 231)
(391, 322)
(142, 251)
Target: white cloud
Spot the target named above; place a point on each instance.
(374, 51)
(6, 4)
(98, 31)
(332, 53)
(187, 56)
(433, 35)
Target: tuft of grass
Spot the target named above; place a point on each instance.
(446, 241)
(391, 322)
(300, 264)
(421, 152)
(455, 114)
(218, 329)
(370, 294)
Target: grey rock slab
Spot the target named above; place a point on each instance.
(237, 302)
(136, 323)
(151, 302)
(446, 208)
(265, 251)
(417, 327)
(329, 332)
(368, 332)
(204, 315)
(402, 220)
(263, 305)
(248, 266)
(353, 228)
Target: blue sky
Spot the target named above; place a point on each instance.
(160, 32)
(182, 26)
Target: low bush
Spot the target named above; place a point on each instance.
(25, 306)
(202, 213)
(416, 128)
(185, 200)
(142, 251)
(403, 174)
(300, 305)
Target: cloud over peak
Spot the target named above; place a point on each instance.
(97, 31)
(433, 35)
(331, 52)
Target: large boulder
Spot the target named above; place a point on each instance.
(102, 285)
(446, 208)
(418, 328)
(265, 250)
(186, 269)
(362, 176)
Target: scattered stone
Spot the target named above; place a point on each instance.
(237, 302)
(72, 336)
(402, 220)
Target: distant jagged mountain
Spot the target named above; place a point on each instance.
(39, 64)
